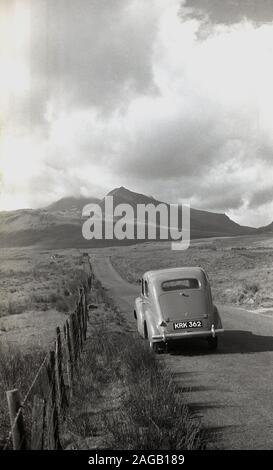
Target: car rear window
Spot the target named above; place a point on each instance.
(180, 284)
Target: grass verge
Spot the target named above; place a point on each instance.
(130, 400)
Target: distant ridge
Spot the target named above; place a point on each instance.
(266, 228)
(59, 225)
(70, 203)
(203, 223)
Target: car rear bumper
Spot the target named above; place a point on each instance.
(188, 334)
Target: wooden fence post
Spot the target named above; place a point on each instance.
(96, 292)
(86, 309)
(69, 365)
(79, 325)
(38, 423)
(16, 420)
(81, 321)
(61, 392)
(76, 334)
(72, 338)
(82, 312)
(53, 441)
(85, 313)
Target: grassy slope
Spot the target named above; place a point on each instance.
(37, 289)
(240, 269)
(32, 279)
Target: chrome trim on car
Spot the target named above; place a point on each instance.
(213, 330)
(187, 334)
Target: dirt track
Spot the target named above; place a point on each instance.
(232, 389)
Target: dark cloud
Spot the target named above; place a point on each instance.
(220, 197)
(231, 11)
(172, 146)
(207, 193)
(261, 197)
(90, 53)
(187, 146)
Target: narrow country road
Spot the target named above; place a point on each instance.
(231, 389)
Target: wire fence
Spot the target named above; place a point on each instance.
(35, 419)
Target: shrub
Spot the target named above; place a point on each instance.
(251, 287)
(62, 305)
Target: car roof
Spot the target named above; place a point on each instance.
(175, 273)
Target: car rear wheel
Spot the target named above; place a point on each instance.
(157, 348)
(213, 343)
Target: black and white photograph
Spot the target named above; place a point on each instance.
(136, 229)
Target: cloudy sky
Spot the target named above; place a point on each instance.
(167, 97)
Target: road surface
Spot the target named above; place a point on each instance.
(231, 389)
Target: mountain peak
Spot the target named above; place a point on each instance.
(120, 190)
(123, 195)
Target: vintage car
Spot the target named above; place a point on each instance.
(175, 304)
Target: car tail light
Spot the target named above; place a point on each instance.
(163, 324)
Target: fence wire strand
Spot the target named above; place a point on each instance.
(78, 336)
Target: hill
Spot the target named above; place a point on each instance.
(71, 203)
(59, 225)
(266, 228)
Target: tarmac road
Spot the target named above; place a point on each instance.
(231, 389)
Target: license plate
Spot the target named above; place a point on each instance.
(187, 324)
